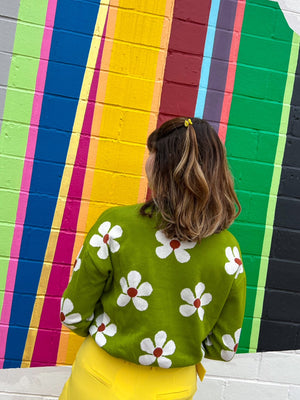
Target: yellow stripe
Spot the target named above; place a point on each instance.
(65, 183)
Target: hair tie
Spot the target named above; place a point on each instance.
(188, 122)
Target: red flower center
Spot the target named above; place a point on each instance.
(158, 352)
(235, 347)
(62, 316)
(106, 238)
(197, 303)
(101, 327)
(132, 292)
(238, 261)
(175, 244)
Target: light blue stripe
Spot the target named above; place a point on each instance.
(208, 50)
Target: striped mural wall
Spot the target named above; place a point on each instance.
(85, 84)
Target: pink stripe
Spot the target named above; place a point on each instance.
(234, 51)
(27, 172)
(45, 351)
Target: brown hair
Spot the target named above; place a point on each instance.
(191, 183)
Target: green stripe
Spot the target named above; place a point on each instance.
(274, 191)
(253, 136)
(16, 120)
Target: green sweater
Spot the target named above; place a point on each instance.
(155, 301)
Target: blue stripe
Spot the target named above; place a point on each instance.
(67, 61)
(208, 50)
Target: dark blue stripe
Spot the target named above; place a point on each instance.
(71, 40)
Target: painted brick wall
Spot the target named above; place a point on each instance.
(145, 71)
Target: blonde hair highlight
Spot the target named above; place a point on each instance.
(192, 185)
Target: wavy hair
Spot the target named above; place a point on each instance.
(191, 183)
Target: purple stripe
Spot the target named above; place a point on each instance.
(219, 62)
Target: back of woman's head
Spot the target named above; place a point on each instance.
(191, 184)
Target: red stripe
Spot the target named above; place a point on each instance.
(184, 59)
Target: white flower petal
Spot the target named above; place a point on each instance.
(145, 289)
(163, 251)
(100, 339)
(236, 252)
(110, 330)
(228, 341)
(169, 348)
(147, 345)
(229, 253)
(188, 245)
(206, 299)
(164, 362)
(124, 285)
(106, 319)
(147, 359)
(96, 241)
(113, 245)
(104, 228)
(181, 255)
(93, 329)
(123, 300)
(67, 306)
(72, 319)
(140, 304)
(187, 310)
(231, 267)
(188, 296)
(116, 232)
(199, 289)
(201, 313)
(161, 237)
(103, 252)
(90, 318)
(237, 335)
(160, 338)
(134, 278)
(227, 355)
(77, 265)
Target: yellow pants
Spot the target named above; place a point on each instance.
(97, 375)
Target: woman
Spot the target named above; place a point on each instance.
(157, 287)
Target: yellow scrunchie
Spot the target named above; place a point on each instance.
(188, 122)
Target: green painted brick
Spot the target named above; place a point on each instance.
(9, 201)
(259, 20)
(251, 176)
(28, 40)
(250, 237)
(245, 335)
(267, 145)
(241, 141)
(13, 139)
(10, 173)
(255, 114)
(265, 53)
(18, 106)
(4, 267)
(251, 264)
(23, 72)
(6, 235)
(250, 301)
(253, 207)
(260, 83)
(33, 11)
(265, 3)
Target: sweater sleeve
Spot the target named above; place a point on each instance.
(90, 278)
(222, 342)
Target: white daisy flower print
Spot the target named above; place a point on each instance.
(102, 328)
(158, 352)
(106, 238)
(234, 264)
(170, 245)
(232, 344)
(68, 319)
(195, 302)
(133, 290)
